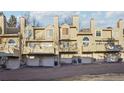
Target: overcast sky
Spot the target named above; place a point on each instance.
(103, 18)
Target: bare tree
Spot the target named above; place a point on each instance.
(27, 17)
(12, 21)
(38, 24)
(68, 20)
(34, 21)
(31, 19)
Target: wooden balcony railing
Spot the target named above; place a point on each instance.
(11, 51)
(68, 49)
(47, 50)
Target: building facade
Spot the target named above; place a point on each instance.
(55, 44)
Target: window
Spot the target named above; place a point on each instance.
(11, 42)
(65, 31)
(98, 33)
(65, 44)
(85, 41)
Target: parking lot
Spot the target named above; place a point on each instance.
(57, 73)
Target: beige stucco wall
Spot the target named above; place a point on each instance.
(118, 35)
(88, 51)
(87, 55)
(106, 34)
(47, 31)
(39, 34)
(65, 55)
(61, 29)
(7, 48)
(98, 55)
(73, 33)
(2, 23)
(82, 48)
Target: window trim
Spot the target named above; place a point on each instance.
(88, 42)
(98, 31)
(11, 44)
(67, 31)
(66, 44)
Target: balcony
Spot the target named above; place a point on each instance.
(36, 50)
(113, 48)
(68, 47)
(50, 50)
(107, 45)
(104, 48)
(39, 47)
(68, 50)
(9, 51)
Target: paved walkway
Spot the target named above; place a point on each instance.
(40, 73)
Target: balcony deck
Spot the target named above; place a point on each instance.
(39, 51)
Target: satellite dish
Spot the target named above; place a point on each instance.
(109, 46)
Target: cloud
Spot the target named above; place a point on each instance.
(113, 13)
(101, 21)
(98, 13)
(84, 15)
(46, 17)
(103, 18)
(108, 14)
(62, 14)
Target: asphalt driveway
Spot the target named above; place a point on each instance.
(44, 74)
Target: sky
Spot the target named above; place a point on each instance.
(103, 18)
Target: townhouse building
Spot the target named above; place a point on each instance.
(55, 44)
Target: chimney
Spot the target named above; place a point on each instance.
(56, 28)
(76, 22)
(92, 25)
(22, 25)
(56, 33)
(120, 24)
(56, 19)
(3, 23)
